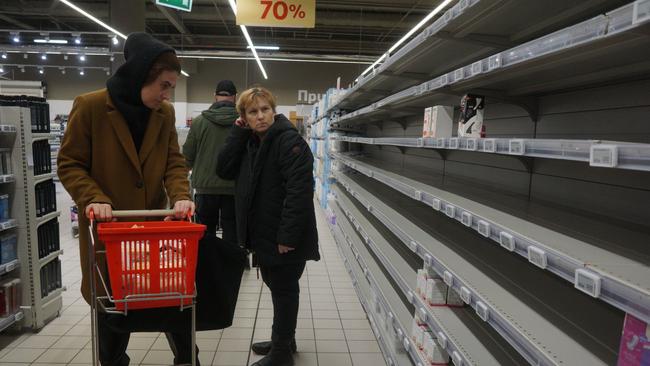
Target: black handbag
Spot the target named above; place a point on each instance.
(219, 272)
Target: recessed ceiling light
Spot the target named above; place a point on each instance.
(41, 71)
(81, 72)
(82, 58)
(115, 41)
(43, 57)
(270, 48)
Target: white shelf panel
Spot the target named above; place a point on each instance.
(623, 282)
(50, 257)
(8, 267)
(537, 339)
(43, 219)
(470, 344)
(572, 57)
(397, 319)
(453, 41)
(42, 136)
(598, 153)
(43, 177)
(10, 320)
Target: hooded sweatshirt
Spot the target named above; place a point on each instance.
(140, 52)
(204, 141)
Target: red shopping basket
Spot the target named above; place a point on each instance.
(151, 264)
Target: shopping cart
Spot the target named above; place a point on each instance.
(151, 264)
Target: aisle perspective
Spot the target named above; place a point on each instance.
(536, 221)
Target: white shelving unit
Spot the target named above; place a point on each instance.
(36, 308)
(400, 198)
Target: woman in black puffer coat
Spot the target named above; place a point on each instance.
(272, 167)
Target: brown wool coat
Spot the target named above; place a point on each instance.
(98, 163)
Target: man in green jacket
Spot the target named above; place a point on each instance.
(214, 197)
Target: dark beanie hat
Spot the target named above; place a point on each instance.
(140, 52)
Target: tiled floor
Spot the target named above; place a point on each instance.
(332, 326)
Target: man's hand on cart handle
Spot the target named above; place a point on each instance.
(183, 209)
(100, 212)
(283, 249)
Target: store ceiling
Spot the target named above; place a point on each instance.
(364, 28)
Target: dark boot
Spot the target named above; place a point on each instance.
(280, 355)
(263, 348)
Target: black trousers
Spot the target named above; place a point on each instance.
(114, 339)
(283, 281)
(213, 210)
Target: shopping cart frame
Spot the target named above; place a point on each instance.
(101, 301)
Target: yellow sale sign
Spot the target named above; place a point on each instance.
(277, 13)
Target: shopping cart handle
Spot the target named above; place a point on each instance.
(143, 213)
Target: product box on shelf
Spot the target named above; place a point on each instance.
(8, 248)
(472, 108)
(435, 354)
(436, 292)
(438, 121)
(10, 294)
(4, 207)
(453, 298)
(635, 343)
(5, 162)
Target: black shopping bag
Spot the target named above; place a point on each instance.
(219, 272)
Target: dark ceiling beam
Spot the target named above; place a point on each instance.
(15, 22)
(173, 17)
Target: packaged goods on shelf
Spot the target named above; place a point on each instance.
(635, 343)
(48, 238)
(42, 157)
(50, 277)
(4, 207)
(438, 121)
(421, 284)
(5, 161)
(45, 198)
(453, 298)
(435, 354)
(8, 248)
(10, 294)
(472, 109)
(417, 332)
(436, 292)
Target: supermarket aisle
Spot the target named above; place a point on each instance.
(332, 327)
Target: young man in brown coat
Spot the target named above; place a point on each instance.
(120, 152)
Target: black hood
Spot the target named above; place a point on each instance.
(140, 52)
(280, 125)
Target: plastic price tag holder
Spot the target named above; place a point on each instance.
(442, 340)
(413, 246)
(537, 257)
(448, 278)
(428, 260)
(423, 315)
(507, 241)
(458, 359)
(435, 203)
(477, 68)
(490, 145)
(517, 147)
(605, 156)
(453, 143)
(494, 62)
(471, 144)
(420, 142)
(444, 80)
(465, 294)
(484, 228)
(482, 311)
(407, 344)
(450, 211)
(466, 219)
(463, 5)
(440, 143)
(641, 12)
(587, 282)
(459, 74)
(418, 195)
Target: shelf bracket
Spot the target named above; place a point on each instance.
(526, 162)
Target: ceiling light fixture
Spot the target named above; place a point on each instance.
(15, 37)
(81, 72)
(43, 57)
(4, 56)
(41, 71)
(52, 41)
(108, 72)
(106, 26)
(82, 57)
(115, 41)
(2, 69)
(270, 48)
(22, 69)
(433, 13)
(251, 46)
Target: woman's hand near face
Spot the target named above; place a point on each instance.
(241, 122)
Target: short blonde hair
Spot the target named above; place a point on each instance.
(251, 95)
